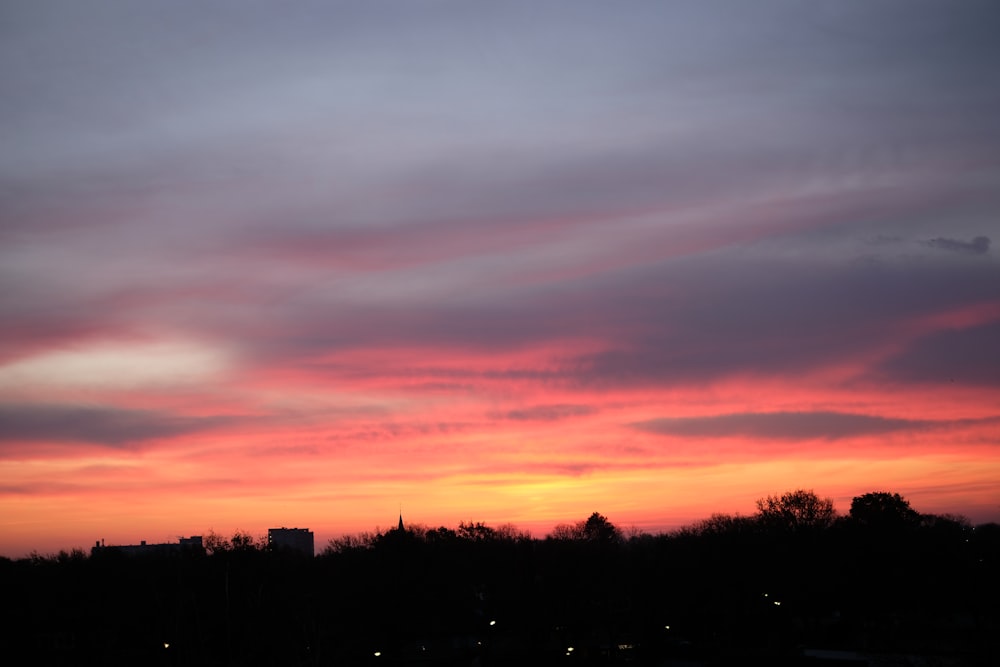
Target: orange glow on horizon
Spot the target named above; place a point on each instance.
(510, 478)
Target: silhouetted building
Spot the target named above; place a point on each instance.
(192, 543)
(297, 539)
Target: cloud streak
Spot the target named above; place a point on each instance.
(977, 246)
(798, 426)
(549, 412)
(967, 356)
(112, 427)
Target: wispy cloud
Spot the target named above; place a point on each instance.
(549, 412)
(113, 427)
(790, 425)
(977, 246)
(964, 356)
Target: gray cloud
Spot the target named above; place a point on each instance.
(676, 321)
(549, 412)
(735, 315)
(783, 425)
(112, 427)
(965, 356)
(980, 245)
(410, 147)
(689, 318)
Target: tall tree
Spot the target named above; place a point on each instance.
(597, 528)
(883, 510)
(796, 511)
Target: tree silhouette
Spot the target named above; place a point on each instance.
(597, 528)
(727, 590)
(476, 532)
(564, 531)
(352, 542)
(796, 511)
(725, 524)
(885, 511)
(508, 532)
(240, 542)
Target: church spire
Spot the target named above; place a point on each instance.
(400, 527)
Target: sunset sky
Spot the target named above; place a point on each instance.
(307, 263)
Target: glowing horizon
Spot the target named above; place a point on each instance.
(298, 267)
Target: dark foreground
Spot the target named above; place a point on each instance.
(732, 593)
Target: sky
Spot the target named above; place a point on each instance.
(312, 264)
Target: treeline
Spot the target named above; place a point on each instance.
(881, 580)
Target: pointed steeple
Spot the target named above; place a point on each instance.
(400, 527)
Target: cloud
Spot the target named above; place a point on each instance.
(980, 245)
(113, 427)
(781, 425)
(123, 364)
(388, 431)
(549, 412)
(739, 315)
(687, 319)
(699, 317)
(500, 473)
(968, 356)
(313, 228)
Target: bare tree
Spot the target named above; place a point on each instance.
(595, 528)
(796, 511)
